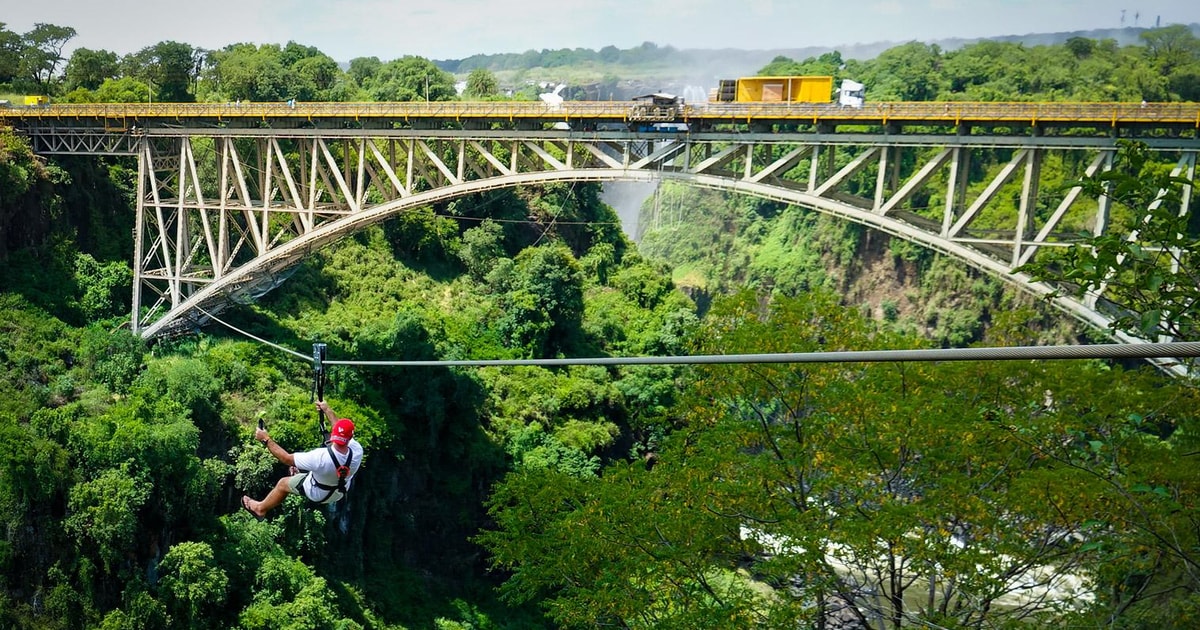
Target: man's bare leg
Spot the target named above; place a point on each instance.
(271, 501)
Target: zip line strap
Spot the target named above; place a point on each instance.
(318, 361)
(319, 385)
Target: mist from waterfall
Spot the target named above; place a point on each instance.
(695, 94)
(627, 199)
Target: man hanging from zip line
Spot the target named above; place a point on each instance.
(321, 475)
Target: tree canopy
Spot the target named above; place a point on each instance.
(969, 494)
(1163, 66)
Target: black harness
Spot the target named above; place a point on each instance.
(343, 473)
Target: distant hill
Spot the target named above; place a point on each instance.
(620, 73)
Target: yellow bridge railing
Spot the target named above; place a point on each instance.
(942, 112)
(955, 112)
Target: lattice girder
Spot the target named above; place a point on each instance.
(221, 215)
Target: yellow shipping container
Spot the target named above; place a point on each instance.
(797, 89)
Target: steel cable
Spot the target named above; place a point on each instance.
(1017, 353)
(1168, 350)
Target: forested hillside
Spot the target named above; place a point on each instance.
(718, 243)
(968, 494)
(654, 66)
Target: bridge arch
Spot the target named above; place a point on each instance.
(261, 274)
(222, 214)
(900, 229)
(278, 260)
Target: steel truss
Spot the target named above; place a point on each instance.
(223, 215)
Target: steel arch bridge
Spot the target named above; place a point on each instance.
(231, 196)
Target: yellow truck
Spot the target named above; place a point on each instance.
(37, 101)
(789, 89)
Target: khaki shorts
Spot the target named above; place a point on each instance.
(296, 483)
(296, 486)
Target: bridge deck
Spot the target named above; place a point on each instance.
(1180, 116)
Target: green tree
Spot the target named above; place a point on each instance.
(481, 83)
(909, 72)
(899, 494)
(186, 383)
(422, 236)
(139, 611)
(1080, 46)
(105, 287)
(364, 70)
(1144, 542)
(1171, 46)
(103, 516)
(290, 595)
(481, 247)
(645, 284)
(989, 71)
(1155, 275)
(11, 45)
(111, 357)
(609, 54)
(412, 78)
(33, 362)
(542, 301)
(1185, 82)
(169, 68)
(249, 73)
(122, 90)
(315, 78)
(89, 68)
(827, 64)
(191, 585)
(42, 54)
(34, 481)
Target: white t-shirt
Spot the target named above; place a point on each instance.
(320, 468)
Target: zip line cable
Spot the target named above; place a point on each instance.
(318, 362)
(1175, 349)
(1017, 353)
(258, 339)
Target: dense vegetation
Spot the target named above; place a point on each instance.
(1164, 67)
(953, 495)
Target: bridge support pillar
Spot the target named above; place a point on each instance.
(1027, 205)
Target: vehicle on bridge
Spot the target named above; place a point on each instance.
(27, 101)
(851, 93)
(657, 107)
(774, 89)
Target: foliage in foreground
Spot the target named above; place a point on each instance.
(961, 495)
(121, 498)
(1153, 273)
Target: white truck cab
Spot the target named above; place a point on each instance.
(850, 94)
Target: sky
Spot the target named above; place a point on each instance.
(454, 29)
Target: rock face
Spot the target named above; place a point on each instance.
(841, 616)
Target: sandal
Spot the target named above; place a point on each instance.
(246, 506)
